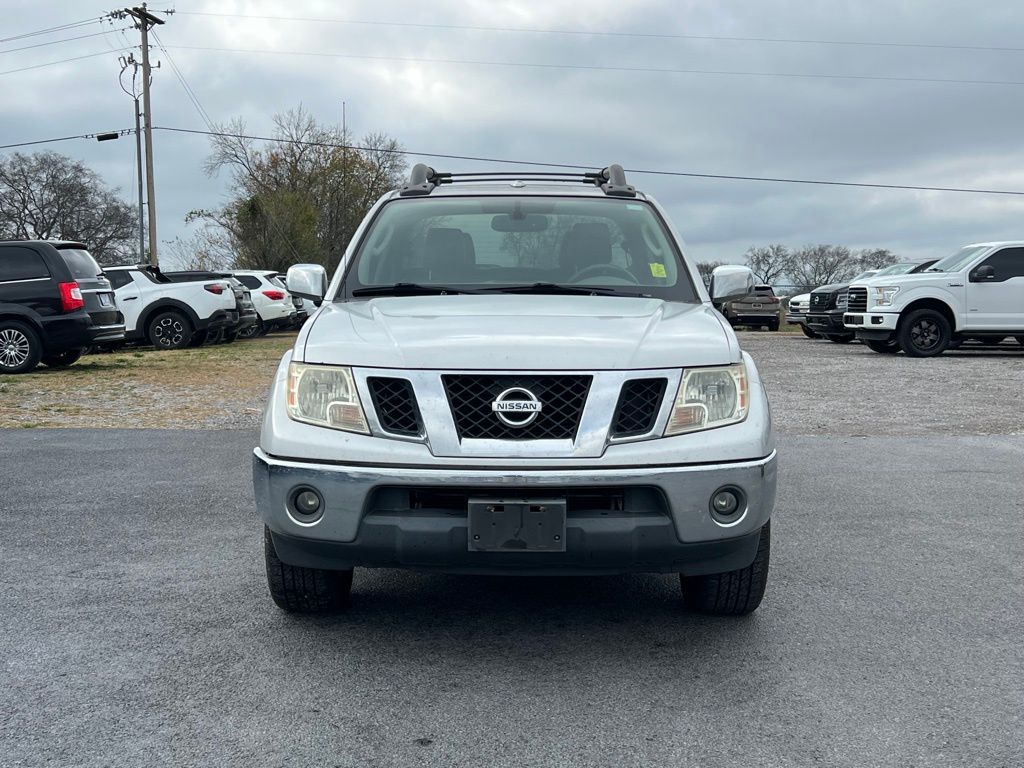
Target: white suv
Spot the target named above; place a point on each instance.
(170, 315)
(517, 374)
(977, 292)
(271, 299)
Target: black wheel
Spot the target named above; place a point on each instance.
(733, 593)
(229, 336)
(1020, 340)
(890, 347)
(773, 326)
(251, 331)
(305, 590)
(202, 337)
(840, 338)
(64, 359)
(924, 333)
(20, 347)
(808, 332)
(170, 330)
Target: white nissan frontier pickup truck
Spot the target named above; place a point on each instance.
(517, 373)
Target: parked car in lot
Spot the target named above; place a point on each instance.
(273, 302)
(796, 313)
(826, 307)
(759, 310)
(54, 303)
(168, 314)
(246, 312)
(975, 293)
(473, 398)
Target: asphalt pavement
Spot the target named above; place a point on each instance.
(135, 627)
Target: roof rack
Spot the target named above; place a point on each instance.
(611, 180)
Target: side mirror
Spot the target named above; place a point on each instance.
(307, 281)
(730, 282)
(984, 272)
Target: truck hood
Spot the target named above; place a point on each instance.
(518, 332)
(918, 278)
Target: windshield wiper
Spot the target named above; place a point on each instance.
(409, 289)
(557, 288)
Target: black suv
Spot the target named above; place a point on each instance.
(54, 303)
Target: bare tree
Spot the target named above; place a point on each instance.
(301, 197)
(51, 196)
(706, 268)
(875, 258)
(769, 262)
(816, 265)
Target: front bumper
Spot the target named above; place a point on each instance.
(368, 522)
(826, 322)
(796, 318)
(873, 321)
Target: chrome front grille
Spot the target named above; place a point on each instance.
(858, 301)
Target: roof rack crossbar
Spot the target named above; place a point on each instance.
(611, 180)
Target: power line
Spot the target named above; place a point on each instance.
(61, 61)
(605, 33)
(539, 164)
(683, 174)
(51, 30)
(192, 96)
(605, 68)
(60, 138)
(62, 40)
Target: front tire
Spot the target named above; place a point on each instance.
(64, 359)
(924, 333)
(808, 332)
(251, 331)
(20, 347)
(170, 330)
(733, 593)
(305, 590)
(890, 347)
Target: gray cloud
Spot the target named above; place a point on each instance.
(857, 130)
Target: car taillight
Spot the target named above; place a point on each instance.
(70, 297)
(274, 295)
(216, 288)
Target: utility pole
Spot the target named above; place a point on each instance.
(129, 61)
(144, 20)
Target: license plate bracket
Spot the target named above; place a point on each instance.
(516, 525)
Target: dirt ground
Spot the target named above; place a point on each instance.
(206, 388)
(816, 387)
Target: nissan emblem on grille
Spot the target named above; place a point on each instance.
(516, 407)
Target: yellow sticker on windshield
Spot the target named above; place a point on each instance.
(658, 270)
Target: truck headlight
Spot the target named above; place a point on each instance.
(842, 300)
(884, 294)
(708, 398)
(325, 395)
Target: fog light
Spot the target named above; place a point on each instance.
(728, 506)
(725, 502)
(305, 505)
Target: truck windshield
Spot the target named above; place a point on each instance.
(519, 245)
(896, 269)
(959, 259)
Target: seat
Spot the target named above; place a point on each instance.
(448, 255)
(583, 246)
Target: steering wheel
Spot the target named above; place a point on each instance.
(611, 270)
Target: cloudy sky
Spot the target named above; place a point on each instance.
(417, 71)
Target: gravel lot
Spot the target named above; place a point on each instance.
(816, 388)
(137, 629)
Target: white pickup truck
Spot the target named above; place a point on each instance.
(976, 292)
(170, 314)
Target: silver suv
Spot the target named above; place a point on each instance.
(518, 374)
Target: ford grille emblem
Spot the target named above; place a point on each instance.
(516, 407)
